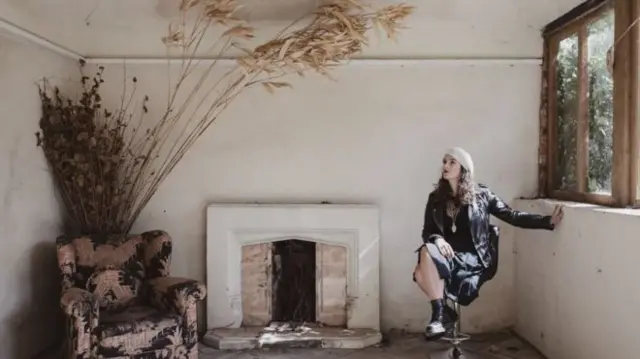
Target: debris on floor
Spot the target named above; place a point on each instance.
(395, 345)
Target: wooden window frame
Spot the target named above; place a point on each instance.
(624, 181)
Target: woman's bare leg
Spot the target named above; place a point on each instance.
(427, 276)
(428, 279)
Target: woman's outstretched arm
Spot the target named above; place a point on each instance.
(520, 219)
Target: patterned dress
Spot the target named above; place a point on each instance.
(463, 274)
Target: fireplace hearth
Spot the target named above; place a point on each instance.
(292, 274)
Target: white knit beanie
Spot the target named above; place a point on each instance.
(463, 157)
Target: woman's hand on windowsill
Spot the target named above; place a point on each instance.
(558, 214)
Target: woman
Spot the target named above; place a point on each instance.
(457, 255)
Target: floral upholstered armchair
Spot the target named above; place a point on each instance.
(120, 301)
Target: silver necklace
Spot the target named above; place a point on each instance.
(452, 211)
(453, 221)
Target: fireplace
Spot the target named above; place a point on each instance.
(315, 264)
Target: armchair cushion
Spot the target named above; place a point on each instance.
(138, 329)
(115, 288)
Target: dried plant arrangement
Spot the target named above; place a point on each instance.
(109, 164)
(90, 155)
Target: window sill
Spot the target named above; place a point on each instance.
(578, 206)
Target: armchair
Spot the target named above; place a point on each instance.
(120, 302)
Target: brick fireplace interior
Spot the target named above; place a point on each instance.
(294, 281)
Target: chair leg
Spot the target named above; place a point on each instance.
(455, 351)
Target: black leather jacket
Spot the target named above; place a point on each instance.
(486, 203)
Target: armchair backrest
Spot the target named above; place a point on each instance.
(113, 267)
(157, 254)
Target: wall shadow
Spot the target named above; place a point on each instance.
(37, 328)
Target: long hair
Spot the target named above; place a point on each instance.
(465, 193)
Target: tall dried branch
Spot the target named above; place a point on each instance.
(109, 167)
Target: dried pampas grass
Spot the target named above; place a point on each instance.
(108, 168)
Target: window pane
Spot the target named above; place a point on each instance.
(567, 112)
(600, 39)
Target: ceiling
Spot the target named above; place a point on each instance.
(438, 28)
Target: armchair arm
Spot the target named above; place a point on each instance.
(179, 295)
(77, 302)
(176, 294)
(82, 308)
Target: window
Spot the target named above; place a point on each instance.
(589, 142)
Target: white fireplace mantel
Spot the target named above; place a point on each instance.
(231, 226)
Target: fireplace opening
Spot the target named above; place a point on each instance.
(294, 281)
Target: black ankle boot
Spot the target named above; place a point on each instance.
(435, 329)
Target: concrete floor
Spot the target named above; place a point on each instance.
(395, 346)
